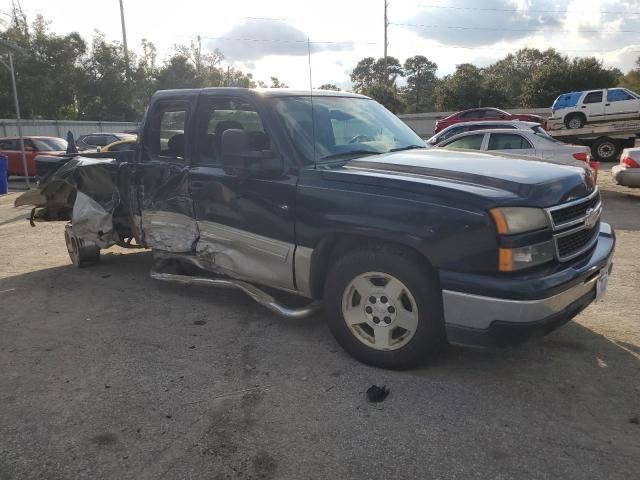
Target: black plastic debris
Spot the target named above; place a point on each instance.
(377, 394)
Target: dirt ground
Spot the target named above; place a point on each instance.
(105, 373)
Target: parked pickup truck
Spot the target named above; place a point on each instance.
(334, 199)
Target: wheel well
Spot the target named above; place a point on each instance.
(332, 248)
(575, 114)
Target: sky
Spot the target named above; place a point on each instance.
(270, 38)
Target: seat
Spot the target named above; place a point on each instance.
(175, 145)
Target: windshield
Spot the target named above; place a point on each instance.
(49, 144)
(542, 133)
(345, 128)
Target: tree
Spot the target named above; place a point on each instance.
(104, 91)
(237, 78)
(329, 86)
(369, 72)
(47, 75)
(276, 83)
(632, 79)
(421, 83)
(206, 64)
(377, 79)
(463, 89)
(387, 95)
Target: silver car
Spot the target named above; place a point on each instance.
(627, 172)
(520, 142)
(458, 128)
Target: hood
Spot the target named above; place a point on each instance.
(500, 178)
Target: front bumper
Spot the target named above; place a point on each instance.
(489, 311)
(627, 177)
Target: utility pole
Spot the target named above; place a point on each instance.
(124, 39)
(386, 24)
(386, 42)
(10, 48)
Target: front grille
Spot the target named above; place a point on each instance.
(572, 244)
(576, 225)
(575, 211)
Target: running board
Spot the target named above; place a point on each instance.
(260, 296)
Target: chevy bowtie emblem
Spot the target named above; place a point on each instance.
(591, 218)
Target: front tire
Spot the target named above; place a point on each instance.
(383, 306)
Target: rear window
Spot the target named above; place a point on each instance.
(566, 100)
(50, 144)
(508, 141)
(8, 144)
(472, 114)
(593, 97)
(473, 142)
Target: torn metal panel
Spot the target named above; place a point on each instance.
(58, 192)
(169, 231)
(93, 222)
(166, 214)
(246, 255)
(85, 191)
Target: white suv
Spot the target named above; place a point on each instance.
(575, 109)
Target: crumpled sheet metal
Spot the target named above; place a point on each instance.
(168, 218)
(93, 222)
(87, 188)
(169, 231)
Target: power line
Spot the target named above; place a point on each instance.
(488, 9)
(494, 29)
(274, 40)
(464, 47)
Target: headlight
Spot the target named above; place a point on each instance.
(510, 220)
(525, 257)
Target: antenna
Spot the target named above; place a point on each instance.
(313, 116)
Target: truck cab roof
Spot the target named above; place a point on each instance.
(262, 92)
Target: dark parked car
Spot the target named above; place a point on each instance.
(485, 114)
(334, 199)
(94, 140)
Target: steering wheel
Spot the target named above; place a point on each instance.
(360, 138)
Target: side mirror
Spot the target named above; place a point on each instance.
(239, 160)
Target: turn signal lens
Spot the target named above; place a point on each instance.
(523, 257)
(506, 260)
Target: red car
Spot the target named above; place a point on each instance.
(10, 147)
(479, 114)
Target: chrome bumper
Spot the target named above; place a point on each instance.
(478, 312)
(627, 177)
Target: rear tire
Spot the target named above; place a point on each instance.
(383, 306)
(80, 253)
(605, 150)
(574, 121)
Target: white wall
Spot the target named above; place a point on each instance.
(425, 123)
(59, 128)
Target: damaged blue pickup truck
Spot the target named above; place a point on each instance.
(332, 198)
